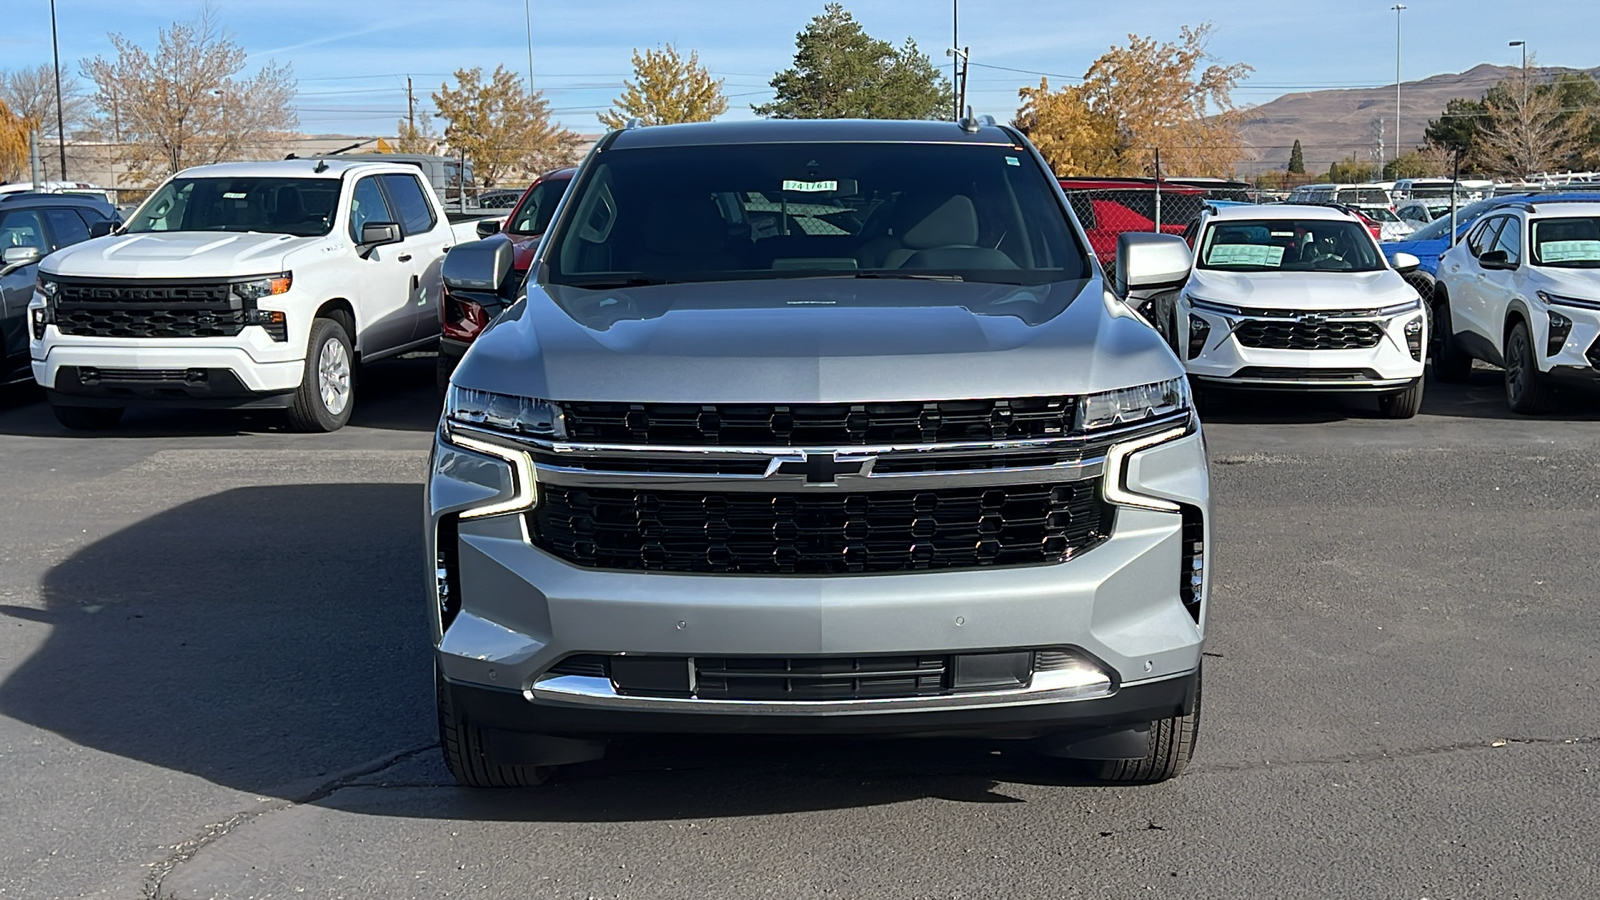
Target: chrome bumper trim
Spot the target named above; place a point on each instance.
(1311, 384)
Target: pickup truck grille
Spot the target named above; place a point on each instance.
(1328, 334)
(142, 309)
(819, 424)
(754, 533)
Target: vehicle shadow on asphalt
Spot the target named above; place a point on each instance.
(1482, 397)
(269, 638)
(392, 395)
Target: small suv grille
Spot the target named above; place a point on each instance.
(806, 678)
(820, 533)
(149, 310)
(820, 425)
(1328, 334)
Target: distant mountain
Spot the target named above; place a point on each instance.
(1332, 125)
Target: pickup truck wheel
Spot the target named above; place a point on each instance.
(1450, 364)
(1526, 391)
(1171, 747)
(327, 389)
(463, 748)
(1402, 404)
(87, 418)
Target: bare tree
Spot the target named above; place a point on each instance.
(1526, 133)
(31, 93)
(186, 105)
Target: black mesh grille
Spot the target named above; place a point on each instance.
(145, 309)
(819, 425)
(1294, 374)
(1327, 334)
(808, 678)
(821, 533)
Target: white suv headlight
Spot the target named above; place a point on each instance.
(504, 412)
(1130, 406)
(1574, 302)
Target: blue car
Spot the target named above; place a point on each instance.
(1432, 240)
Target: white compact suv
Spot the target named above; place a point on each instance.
(1299, 298)
(1523, 292)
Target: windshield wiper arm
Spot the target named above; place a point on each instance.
(621, 281)
(913, 275)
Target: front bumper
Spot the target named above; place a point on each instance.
(523, 610)
(1223, 361)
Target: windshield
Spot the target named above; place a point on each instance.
(298, 206)
(1379, 214)
(1567, 243)
(883, 210)
(1362, 197)
(533, 216)
(1289, 245)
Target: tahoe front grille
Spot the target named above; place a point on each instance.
(149, 309)
(819, 424)
(1328, 334)
(751, 533)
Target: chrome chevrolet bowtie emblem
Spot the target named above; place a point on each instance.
(822, 468)
(1312, 319)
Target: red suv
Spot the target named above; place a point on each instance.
(464, 314)
(1107, 207)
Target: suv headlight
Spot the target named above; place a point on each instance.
(1575, 302)
(252, 289)
(1411, 305)
(1130, 406)
(504, 412)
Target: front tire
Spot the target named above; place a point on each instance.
(86, 418)
(1450, 364)
(1526, 391)
(1172, 743)
(327, 388)
(463, 747)
(1402, 404)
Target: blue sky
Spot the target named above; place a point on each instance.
(351, 57)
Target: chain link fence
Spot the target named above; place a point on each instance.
(1108, 207)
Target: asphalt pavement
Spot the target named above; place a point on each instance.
(214, 683)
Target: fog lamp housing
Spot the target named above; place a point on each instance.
(1560, 327)
(1199, 331)
(1413, 332)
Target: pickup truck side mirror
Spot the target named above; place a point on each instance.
(14, 258)
(479, 265)
(487, 227)
(102, 228)
(1148, 262)
(377, 234)
(1405, 263)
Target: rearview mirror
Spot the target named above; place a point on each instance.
(479, 265)
(487, 227)
(102, 228)
(1150, 262)
(1405, 263)
(14, 258)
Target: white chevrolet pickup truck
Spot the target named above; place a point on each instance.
(244, 285)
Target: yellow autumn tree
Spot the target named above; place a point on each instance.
(13, 143)
(1138, 98)
(502, 127)
(667, 89)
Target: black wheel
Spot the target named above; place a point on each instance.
(1526, 391)
(1171, 747)
(327, 388)
(1451, 364)
(462, 743)
(1402, 404)
(86, 418)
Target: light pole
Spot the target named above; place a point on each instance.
(1524, 46)
(61, 129)
(1398, 9)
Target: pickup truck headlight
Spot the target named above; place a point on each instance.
(47, 287)
(1130, 406)
(504, 412)
(252, 289)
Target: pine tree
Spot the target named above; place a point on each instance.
(841, 72)
(1297, 160)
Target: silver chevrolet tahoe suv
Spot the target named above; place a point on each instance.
(818, 428)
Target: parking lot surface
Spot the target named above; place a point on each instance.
(215, 682)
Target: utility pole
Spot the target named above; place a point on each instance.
(61, 129)
(959, 86)
(1524, 46)
(527, 15)
(411, 110)
(33, 157)
(1398, 9)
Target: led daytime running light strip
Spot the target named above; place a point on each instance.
(1117, 456)
(523, 496)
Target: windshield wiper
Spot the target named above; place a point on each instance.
(614, 282)
(913, 275)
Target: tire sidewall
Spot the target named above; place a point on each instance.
(323, 331)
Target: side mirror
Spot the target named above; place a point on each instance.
(1405, 263)
(14, 258)
(102, 228)
(1495, 259)
(1150, 262)
(478, 266)
(487, 227)
(377, 234)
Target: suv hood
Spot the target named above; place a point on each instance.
(1300, 290)
(815, 341)
(177, 254)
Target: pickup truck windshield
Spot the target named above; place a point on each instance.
(1289, 245)
(786, 210)
(298, 206)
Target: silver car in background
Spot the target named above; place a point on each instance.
(819, 428)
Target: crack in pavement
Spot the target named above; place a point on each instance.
(1383, 756)
(186, 850)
